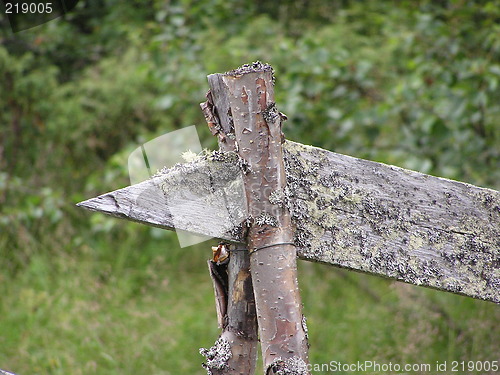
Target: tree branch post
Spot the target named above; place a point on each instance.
(258, 141)
(237, 344)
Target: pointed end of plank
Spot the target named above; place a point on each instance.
(92, 204)
(140, 203)
(85, 204)
(188, 203)
(106, 203)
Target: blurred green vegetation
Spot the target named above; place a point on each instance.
(411, 83)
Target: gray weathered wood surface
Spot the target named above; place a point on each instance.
(348, 212)
(203, 197)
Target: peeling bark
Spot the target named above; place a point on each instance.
(241, 328)
(258, 139)
(218, 273)
(235, 351)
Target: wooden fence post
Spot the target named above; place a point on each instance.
(235, 352)
(258, 139)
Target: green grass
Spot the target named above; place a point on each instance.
(143, 305)
(355, 317)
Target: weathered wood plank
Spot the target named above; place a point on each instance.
(203, 197)
(348, 212)
(396, 223)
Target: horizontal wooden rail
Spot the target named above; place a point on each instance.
(347, 212)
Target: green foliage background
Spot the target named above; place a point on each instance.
(410, 83)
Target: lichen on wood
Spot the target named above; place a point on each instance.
(393, 222)
(213, 188)
(254, 67)
(289, 366)
(217, 356)
(350, 213)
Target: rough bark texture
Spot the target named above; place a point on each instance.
(240, 320)
(258, 138)
(235, 351)
(352, 213)
(241, 328)
(219, 275)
